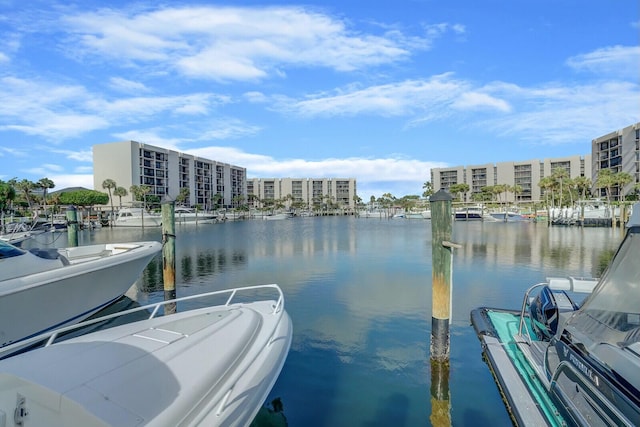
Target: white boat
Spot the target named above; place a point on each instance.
(43, 289)
(560, 361)
(137, 217)
(374, 214)
(473, 213)
(426, 214)
(187, 216)
(509, 216)
(210, 366)
(278, 216)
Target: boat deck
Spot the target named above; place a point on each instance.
(524, 395)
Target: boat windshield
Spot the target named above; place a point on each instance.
(611, 314)
(8, 251)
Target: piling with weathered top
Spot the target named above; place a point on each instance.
(72, 226)
(442, 257)
(168, 252)
(442, 263)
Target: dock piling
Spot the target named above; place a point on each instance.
(72, 226)
(168, 253)
(442, 263)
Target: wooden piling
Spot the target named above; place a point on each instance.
(168, 253)
(72, 226)
(442, 257)
(440, 394)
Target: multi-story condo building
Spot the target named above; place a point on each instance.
(210, 183)
(525, 174)
(617, 151)
(307, 192)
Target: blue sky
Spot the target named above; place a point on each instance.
(378, 91)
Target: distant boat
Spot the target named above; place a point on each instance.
(278, 216)
(418, 215)
(509, 216)
(473, 213)
(43, 289)
(374, 214)
(185, 215)
(210, 366)
(137, 217)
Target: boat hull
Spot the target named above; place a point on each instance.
(56, 297)
(211, 366)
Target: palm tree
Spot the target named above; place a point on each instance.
(216, 199)
(109, 184)
(583, 184)
(45, 184)
(26, 186)
(120, 192)
(621, 179)
(560, 175)
(428, 189)
(183, 195)
(517, 190)
(606, 181)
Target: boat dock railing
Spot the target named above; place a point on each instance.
(48, 338)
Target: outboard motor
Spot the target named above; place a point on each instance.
(545, 309)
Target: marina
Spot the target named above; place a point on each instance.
(359, 296)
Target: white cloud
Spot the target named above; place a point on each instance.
(236, 43)
(72, 180)
(476, 100)
(127, 86)
(409, 97)
(404, 175)
(609, 61)
(56, 111)
(554, 113)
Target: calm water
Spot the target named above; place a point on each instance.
(359, 294)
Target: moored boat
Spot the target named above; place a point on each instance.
(558, 361)
(137, 217)
(212, 365)
(278, 216)
(188, 216)
(43, 289)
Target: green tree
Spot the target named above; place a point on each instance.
(560, 175)
(109, 185)
(621, 179)
(84, 198)
(140, 193)
(547, 185)
(120, 192)
(26, 187)
(459, 190)
(606, 181)
(45, 184)
(517, 190)
(183, 195)
(582, 184)
(428, 189)
(217, 200)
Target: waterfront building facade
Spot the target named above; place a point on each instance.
(308, 193)
(211, 184)
(617, 151)
(525, 174)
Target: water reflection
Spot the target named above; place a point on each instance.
(359, 294)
